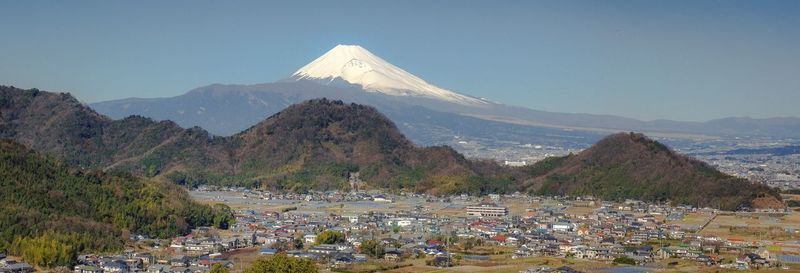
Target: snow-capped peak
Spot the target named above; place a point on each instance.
(356, 65)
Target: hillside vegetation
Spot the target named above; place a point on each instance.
(319, 143)
(51, 212)
(629, 165)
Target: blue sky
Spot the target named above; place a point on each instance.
(681, 60)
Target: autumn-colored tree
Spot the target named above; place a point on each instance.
(280, 263)
(372, 248)
(218, 268)
(330, 237)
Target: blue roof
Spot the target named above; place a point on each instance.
(268, 250)
(18, 266)
(115, 264)
(476, 257)
(789, 258)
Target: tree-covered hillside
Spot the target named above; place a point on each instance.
(51, 212)
(629, 165)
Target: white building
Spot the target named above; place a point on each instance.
(352, 218)
(400, 222)
(310, 238)
(487, 210)
(563, 227)
(515, 163)
(382, 198)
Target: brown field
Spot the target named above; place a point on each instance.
(754, 227)
(692, 219)
(504, 263)
(787, 197)
(580, 210)
(242, 257)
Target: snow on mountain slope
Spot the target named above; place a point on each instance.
(356, 65)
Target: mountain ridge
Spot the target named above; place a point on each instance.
(319, 143)
(353, 74)
(356, 71)
(187, 110)
(192, 156)
(231, 108)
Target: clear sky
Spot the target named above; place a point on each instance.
(682, 60)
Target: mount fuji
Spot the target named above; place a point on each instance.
(355, 65)
(427, 114)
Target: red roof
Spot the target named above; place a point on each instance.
(435, 242)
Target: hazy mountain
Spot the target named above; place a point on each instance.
(227, 109)
(318, 144)
(352, 74)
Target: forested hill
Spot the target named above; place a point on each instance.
(628, 165)
(319, 143)
(51, 212)
(316, 144)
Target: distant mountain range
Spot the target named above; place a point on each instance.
(321, 144)
(428, 114)
(228, 109)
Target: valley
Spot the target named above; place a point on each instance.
(326, 168)
(399, 136)
(422, 227)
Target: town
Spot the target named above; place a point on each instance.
(365, 231)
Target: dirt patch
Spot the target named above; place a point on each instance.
(768, 202)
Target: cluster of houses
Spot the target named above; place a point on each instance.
(612, 230)
(608, 231)
(401, 234)
(146, 262)
(628, 230)
(12, 266)
(197, 252)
